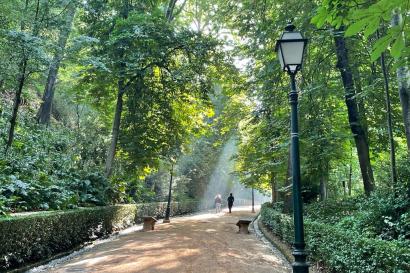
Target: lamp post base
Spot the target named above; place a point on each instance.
(300, 265)
(300, 268)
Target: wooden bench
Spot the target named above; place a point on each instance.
(149, 223)
(243, 225)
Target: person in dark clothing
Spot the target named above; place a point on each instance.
(230, 202)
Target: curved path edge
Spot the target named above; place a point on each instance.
(279, 248)
(266, 240)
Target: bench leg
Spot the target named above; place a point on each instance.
(148, 227)
(243, 229)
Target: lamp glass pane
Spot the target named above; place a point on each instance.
(280, 57)
(292, 50)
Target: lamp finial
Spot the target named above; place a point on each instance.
(290, 27)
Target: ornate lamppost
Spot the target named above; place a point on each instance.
(253, 201)
(168, 210)
(290, 49)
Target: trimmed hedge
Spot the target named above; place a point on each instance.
(339, 249)
(38, 236)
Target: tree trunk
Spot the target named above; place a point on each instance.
(44, 113)
(356, 127)
(170, 10)
(118, 109)
(393, 170)
(349, 182)
(324, 174)
(403, 80)
(273, 189)
(360, 104)
(17, 101)
(21, 80)
(323, 188)
(115, 129)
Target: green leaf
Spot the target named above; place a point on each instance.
(372, 26)
(320, 17)
(356, 27)
(397, 48)
(338, 22)
(380, 46)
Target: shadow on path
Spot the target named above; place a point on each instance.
(202, 243)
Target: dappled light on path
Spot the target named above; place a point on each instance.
(201, 243)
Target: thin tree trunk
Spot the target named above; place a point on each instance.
(403, 80)
(115, 130)
(21, 80)
(118, 109)
(349, 183)
(77, 111)
(17, 101)
(393, 170)
(323, 181)
(44, 113)
(170, 10)
(253, 200)
(273, 188)
(360, 104)
(356, 127)
(323, 188)
(344, 188)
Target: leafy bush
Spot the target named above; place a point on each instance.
(37, 236)
(340, 248)
(49, 169)
(332, 210)
(382, 215)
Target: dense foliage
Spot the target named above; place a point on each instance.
(348, 236)
(51, 169)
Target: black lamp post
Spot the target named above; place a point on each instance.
(168, 210)
(290, 48)
(253, 201)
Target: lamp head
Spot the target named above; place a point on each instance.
(290, 49)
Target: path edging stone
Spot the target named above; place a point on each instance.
(260, 233)
(278, 246)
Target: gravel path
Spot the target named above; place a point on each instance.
(198, 244)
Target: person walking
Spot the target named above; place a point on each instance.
(218, 203)
(230, 202)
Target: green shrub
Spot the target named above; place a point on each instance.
(51, 168)
(342, 249)
(37, 236)
(383, 214)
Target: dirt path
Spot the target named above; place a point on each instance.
(197, 244)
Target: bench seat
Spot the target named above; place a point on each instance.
(243, 225)
(149, 223)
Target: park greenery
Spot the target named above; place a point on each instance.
(106, 101)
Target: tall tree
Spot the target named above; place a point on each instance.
(359, 134)
(44, 113)
(403, 80)
(123, 85)
(392, 152)
(125, 9)
(31, 53)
